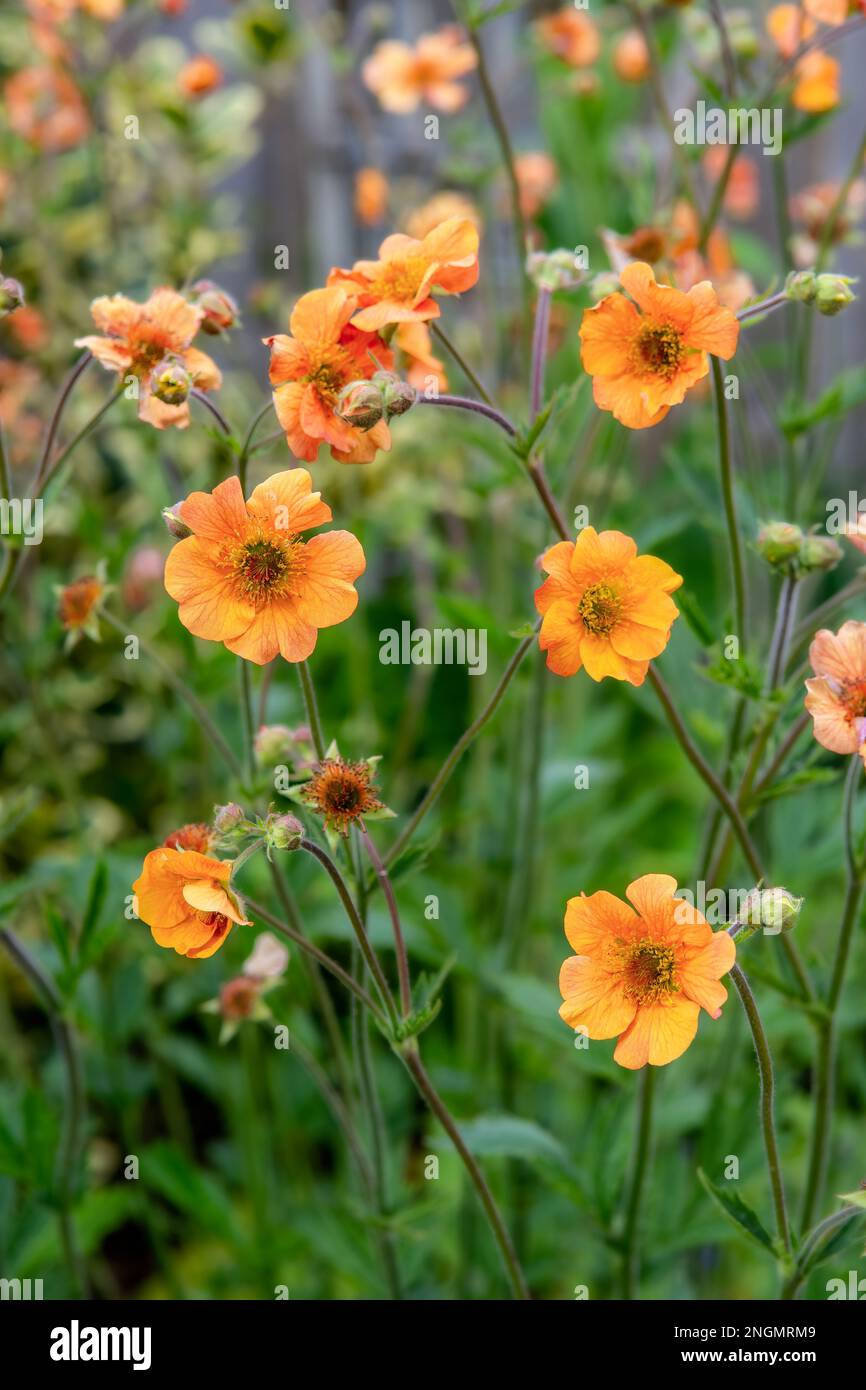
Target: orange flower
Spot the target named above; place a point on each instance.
(572, 36)
(44, 106)
(246, 579)
(78, 605)
(631, 60)
(789, 26)
(371, 196)
(421, 364)
(827, 11)
(309, 369)
(536, 180)
(642, 976)
(141, 336)
(196, 836)
(816, 87)
(743, 190)
(441, 208)
(185, 899)
(402, 77)
(812, 207)
(397, 288)
(342, 793)
(604, 607)
(644, 359)
(199, 76)
(836, 696)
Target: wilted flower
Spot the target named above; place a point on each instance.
(360, 404)
(79, 604)
(341, 792)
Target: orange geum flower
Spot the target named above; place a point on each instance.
(836, 697)
(140, 337)
(372, 191)
(604, 607)
(309, 370)
(438, 209)
(789, 27)
(645, 355)
(246, 579)
(199, 76)
(536, 177)
(631, 58)
(642, 974)
(571, 36)
(402, 77)
(827, 11)
(44, 105)
(78, 606)
(342, 792)
(185, 899)
(816, 86)
(398, 287)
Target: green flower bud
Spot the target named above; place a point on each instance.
(834, 294)
(175, 525)
(773, 909)
(11, 295)
(553, 270)
(360, 403)
(397, 395)
(171, 382)
(780, 542)
(802, 286)
(283, 832)
(818, 553)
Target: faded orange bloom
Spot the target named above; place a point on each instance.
(196, 836)
(604, 607)
(421, 365)
(441, 208)
(536, 180)
(743, 191)
(631, 59)
(402, 77)
(342, 793)
(570, 35)
(44, 106)
(185, 899)
(139, 337)
(643, 973)
(646, 352)
(371, 196)
(398, 287)
(789, 26)
(836, 696)
(199, 76)
(246, 579)
(309, 369)
(78, 605)
(816, 84)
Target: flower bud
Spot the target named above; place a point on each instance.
(272, 744)
(834, 294)
(171, 382)
(397, 396)
(818, 553)
(802, 285)
(283, 832)
(604, 284)
(227, 818)
(11, 295)
(174, 524)
(773, 909)
(360, 403)
(219, 310)
(780, 542)
(553, 270)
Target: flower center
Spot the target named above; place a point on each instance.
(399, 279)
(264, 568)
(660, 349)
(599, 607)
(854, 699)
(649, 971)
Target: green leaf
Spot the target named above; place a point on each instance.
(800, 781)
(846, 393)
(854, 1199)
(510, 1136)
(93, 908)
(165, 1170)
(694, 616)
(740, 1213)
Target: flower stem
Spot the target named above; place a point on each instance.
(631, 1245)
(726, 474)
(412, 1060)
(439, 332)
(436, 787)
(764, 306)
(399, 940)
(768, 1122)
(54, 423)
(539, 351)
(222, 422)
(479, 407)
(825, 1062)
(246, 701)
(246, 447)
(312, 708)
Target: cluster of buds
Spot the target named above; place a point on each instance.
(231, 826)
(219, 311)
(11, 295)
(771, 910)
(170, 381)
(789, 549)
(554, 270)
(278, 744)
(364, 403)
(827, 293)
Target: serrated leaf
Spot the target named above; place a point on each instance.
(799, 781)
(740, 1213)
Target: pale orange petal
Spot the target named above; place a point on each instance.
(659, 1034)
(594, 999)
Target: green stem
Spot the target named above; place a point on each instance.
(399, 940)
(312, 708)
(246, 447)
(246, 702)
(768, 1122)
(726, 474)
(440, 334)
(497, 119)
(631, 1230)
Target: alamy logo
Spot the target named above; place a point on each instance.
(22, 516)
(712, 125)
(438, 646)
(75, 1343)
(20, 1289)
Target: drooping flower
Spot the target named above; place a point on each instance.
(643, 973)
(570, 35)
(185, 899)
(816, 83)
(44, 106)
(309, 369)
(604, 607)
(646, 352)
(401, 77)
(372, 191)
(836, 697)
(139, 338)
(341, 792)
(397, 288)
(246, 579)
